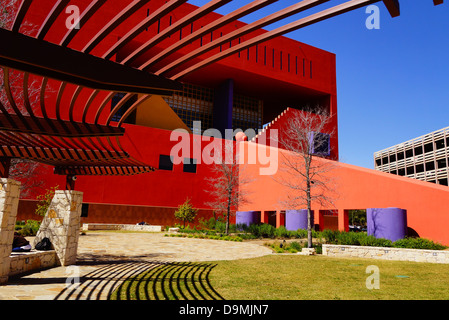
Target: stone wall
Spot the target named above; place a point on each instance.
(9, 200)
(127, 227)
(62, 225)
(30, 261)
(385, 253)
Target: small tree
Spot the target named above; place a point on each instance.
(305, 175)
(45, 201)
(186, 212)
(226, 186)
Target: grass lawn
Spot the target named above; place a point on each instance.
(324, 278)
(288, 277)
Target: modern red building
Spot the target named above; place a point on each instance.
(243, 91)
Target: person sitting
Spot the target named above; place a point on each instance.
(20, 244)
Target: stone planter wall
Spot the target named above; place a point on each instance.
(384, 253)
(62, 225)
(30, 261)
(127, 227)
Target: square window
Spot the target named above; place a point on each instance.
(165, 162)
(190, 165)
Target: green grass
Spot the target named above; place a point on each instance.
(288, 278)
(325, 278)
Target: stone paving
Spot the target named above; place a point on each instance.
(105, 259)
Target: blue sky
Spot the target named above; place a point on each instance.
(393, 83)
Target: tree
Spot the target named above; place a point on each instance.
(186, 212)
(226, 184)
(307, 138)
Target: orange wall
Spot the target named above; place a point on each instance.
(427, 204)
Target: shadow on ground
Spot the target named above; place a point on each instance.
(137, 280)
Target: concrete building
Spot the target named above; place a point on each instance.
(424, 158)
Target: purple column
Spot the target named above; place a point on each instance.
(387, 223)
(296, 219)
(247, 217)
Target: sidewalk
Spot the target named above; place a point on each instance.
(105, 259)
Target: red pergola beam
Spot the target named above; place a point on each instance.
(50, 60)
(393, 7)
(437, 2)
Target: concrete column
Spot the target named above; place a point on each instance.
(343, 220)
(61, 225)
(264, 216)
(9, 202)
(280, 219)
(319, 219)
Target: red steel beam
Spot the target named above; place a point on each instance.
(20, 16)
(393, 7)
(272, 18)
(114, 23)
(193, 16)
(301, 23)
(235, 15)
(59, 6)
(158, 14)
(85, 16)
(437, 2)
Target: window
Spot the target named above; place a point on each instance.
(117, 116)
(320, 144)
(190, 165)
(165, 163)
(84, 210)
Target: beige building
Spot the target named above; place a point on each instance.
(424, 158)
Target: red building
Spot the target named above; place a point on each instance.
(243, 91)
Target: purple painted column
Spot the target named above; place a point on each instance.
(387, 223)
(247, 217)
(296, 219)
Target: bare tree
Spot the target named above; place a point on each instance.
(307, 137)
(227, 184)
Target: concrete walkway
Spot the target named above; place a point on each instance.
(106, 259)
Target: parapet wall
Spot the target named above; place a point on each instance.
(387, 253)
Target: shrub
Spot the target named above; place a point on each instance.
(30, 228)
(418, 243)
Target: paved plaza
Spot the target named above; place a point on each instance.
(106, 259)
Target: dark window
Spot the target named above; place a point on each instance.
(443, 182)
(321, 144)
(393, 158)
(419, 168)
(409, 153)
(118, 115)
(165, 163)
(378, 162)
(401, 172)
(400, 155)
(428, 147)
(439, 144)
(190, 165)
(84, 210)
(410, 170)
(430, 166)
(418, 151)
(441, 163)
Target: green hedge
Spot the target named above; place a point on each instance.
(362, 239)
